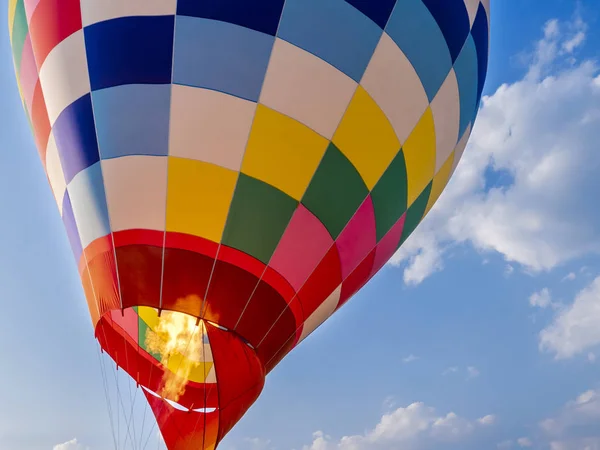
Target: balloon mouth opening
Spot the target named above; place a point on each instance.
(179, 406)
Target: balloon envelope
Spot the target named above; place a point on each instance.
(231, 172)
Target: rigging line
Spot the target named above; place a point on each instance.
(131, 421)
(107, 397)
(121, 403)
(143, 423)
(150, 434)
(132, 403)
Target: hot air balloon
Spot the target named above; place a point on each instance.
(231, 172)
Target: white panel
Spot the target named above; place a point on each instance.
(460, 148)
(393, 83)
(486, 5)
(321, 314)
(446, 116)
(209, 126)
(136, 191)
(64, 76)
(306, 88)
(55, 172)
(472, 7)
(93, 11)
(89, 204)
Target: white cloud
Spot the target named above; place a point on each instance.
(576, 444)
(543, 131)
(490, 419)
(524, 442)
(413, 427)
(472, 372)
(579, 413)
(575, 329)
(450, 370)
(505, 445)
(570, 277)
(70, 445)
(541, 299)
(410, 358)
(591, 357)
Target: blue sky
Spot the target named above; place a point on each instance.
(482, 333)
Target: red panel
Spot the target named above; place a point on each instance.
(192, 243)
(183, 430)
(51, 23)
(242, 260)
(357, 279)
(140, 270)
(279, 354)
(322, 282)
(40, 122)
(281, 285)
(146, 237)
(229, 291)
(281, 336)
(185, 280)
(240, 376)
(264, 309)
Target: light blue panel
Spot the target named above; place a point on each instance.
(333, 30)
(133, 119)
(88, 200)
(221, 56)
(415, 31)
(466, 70)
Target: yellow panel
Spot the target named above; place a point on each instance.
(148, 315)
(12, 7)
(198, 197)
(367, 138)
(197, 369)
(419, 153)
(440, 181)
(283, 152)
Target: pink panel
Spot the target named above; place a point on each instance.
(388, 245)
(358, 238)
(303, 245)
(28, 73)
(128, 321)
(30, 6)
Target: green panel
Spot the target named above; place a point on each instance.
(335, 192)
(415, 213)
(390, 195)
(143, 328)
(20, 30)
(258, 217)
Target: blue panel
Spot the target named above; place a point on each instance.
(377, 10)
(88, 199)
(133, 120)
(71, 227)
(415, 31)
(221, 56)
(453, 19)
(259, 15)
(130, 50)
(466, 75)
(480, 34)
(75, 137)
(333, 30)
